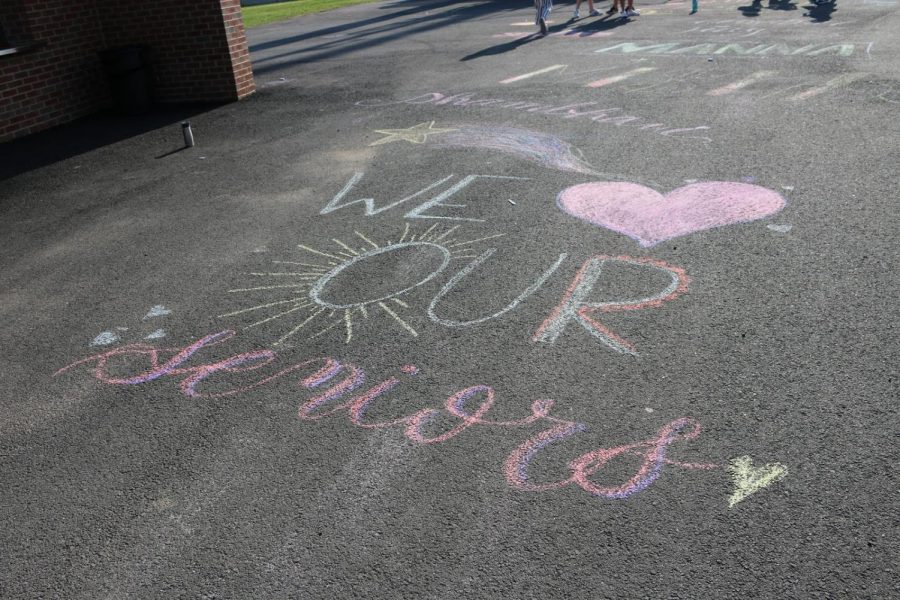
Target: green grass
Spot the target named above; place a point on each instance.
(269, 13)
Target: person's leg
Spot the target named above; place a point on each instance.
(546, 7)
(577, 13)
(593, 11)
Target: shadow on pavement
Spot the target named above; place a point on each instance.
(414, 17)
(820, 12)
(782, 5)
(604, 23)
(754, 8)
(751, 10)
(86, 134)
(504, 47)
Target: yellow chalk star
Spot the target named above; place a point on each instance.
(416, 134)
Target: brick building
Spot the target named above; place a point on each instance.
(51, 70)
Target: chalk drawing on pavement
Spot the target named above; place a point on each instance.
(570, 33)
(466, 271)
(831, 84)
(741, 83)
(421, 211)
(780, 228)
(577, 110)
(338, 387)
(540, 148)
(157, 311)
(749, 479)
(417, 134)
(529, 75)
(649, 217)
(620, 77)
(576, 306)
(337, 287)
(106, 338)
(653, 452)
(720, 49)
(651, 75)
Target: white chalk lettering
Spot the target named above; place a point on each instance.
(448, 287)
(698, 49)
(839, 49)
(369, 203)
(629, 47)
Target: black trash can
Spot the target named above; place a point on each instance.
(128, 73)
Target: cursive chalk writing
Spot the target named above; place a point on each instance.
(425, 426)
(568, 111)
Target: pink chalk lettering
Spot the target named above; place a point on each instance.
(251, 360)
(574, 305)
(195, 375)
(516, 466)
(653, 452)
(157, 370)
(323, 370)
(455, 406)
(359, 405)
(354, 379)
(329, 367)
(649, 218)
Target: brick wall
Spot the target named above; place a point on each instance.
(197, 50)
(237, 48)
(60, 79)
(197, 47)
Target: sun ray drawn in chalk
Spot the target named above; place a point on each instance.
(261, 306)
(334, 287)
(279, 315)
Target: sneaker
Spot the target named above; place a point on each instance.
(543, 25)
(632, 13)
(576, 14)
(611, 11)
(595, 13)
(624, 14)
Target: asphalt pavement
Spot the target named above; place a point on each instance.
(450, 309)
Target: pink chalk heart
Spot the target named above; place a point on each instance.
(649, 218)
